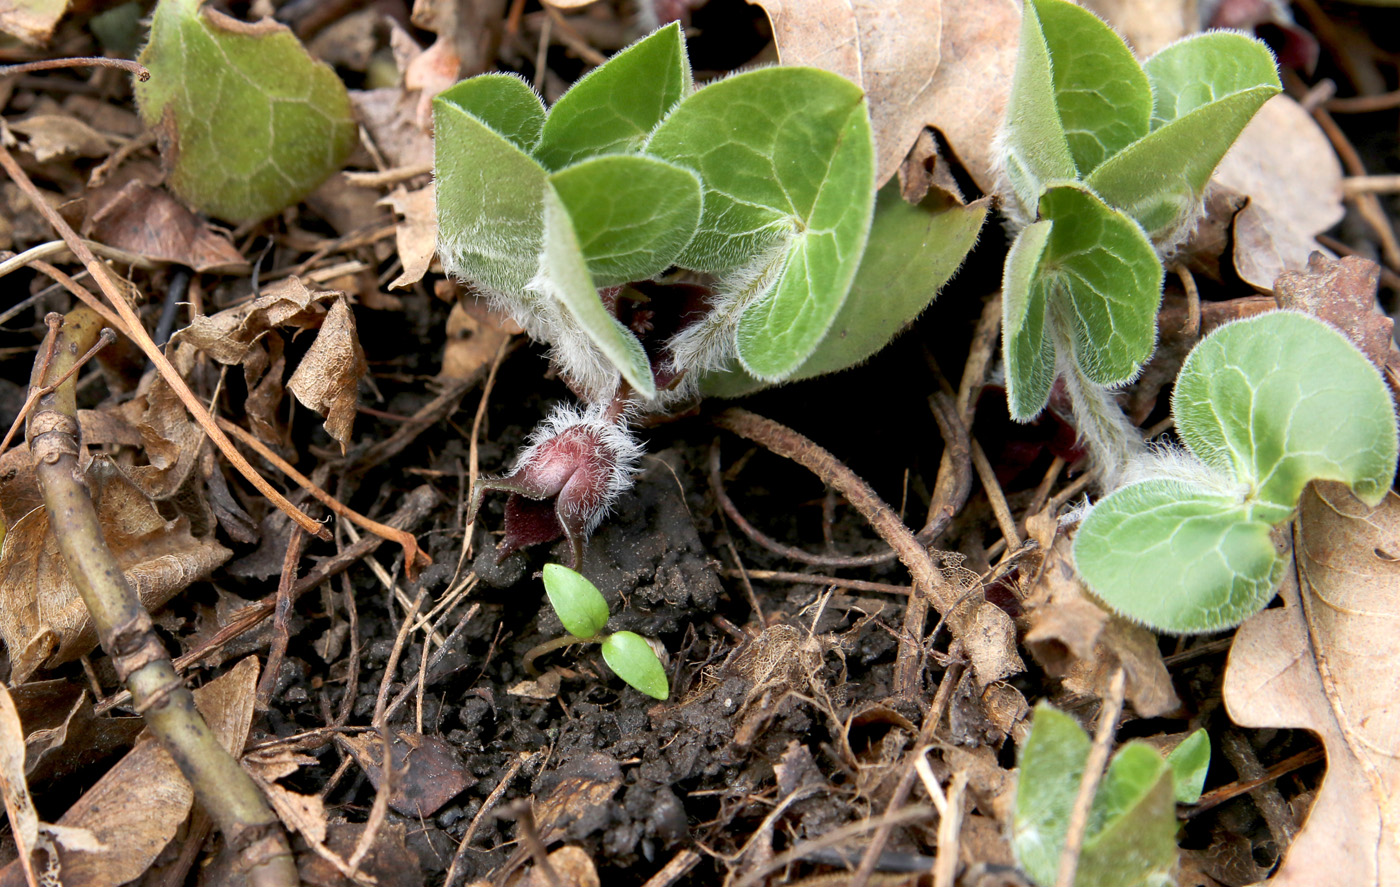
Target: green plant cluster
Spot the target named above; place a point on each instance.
(1105, 163)
(762, 184)
(584, 612)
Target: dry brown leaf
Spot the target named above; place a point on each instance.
(1285, 165)
(229, 335)
(389, 116)
(43, 618)
(576, 799)
(304, 813)
(147, 780)
(1327, 661)
(149, 222)
(32, 21)
(389, 862)
(989, 638)
(328, 378)
(427, 771)
(1074, 639)
(889, 48)
(416, 234)
(60, 136)
(1148, 25)
(474, 334)
(572, 866)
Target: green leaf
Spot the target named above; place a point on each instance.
(632, 659)
(1282, 399)
(578, 602)
(505, 103)
(1086, 275)
(563, 277)
(1190, 762)
(633, 214)
(1035, 147)
(249, 123)
(1101, 93)
(1130, 836)
(1177, 556)
(1206, 68)
(1205, 90)
(614, 107)
(490, 201)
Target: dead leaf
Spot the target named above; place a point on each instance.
(388, 861)
(1074, 639)
(328, 378)
(32, 21)
(889, 48)
(304, 813)
(572, 866)
(58, 748)
(416, 233)
(60, 136)
(43, 619)
(1327, 661)
(149, 222)
(229, 335)
(989, 638)
(1287, 209)
(427, 771)
(146, 779)
(475, 334)
(1148, 25)
(1343, 293)
(577, 797)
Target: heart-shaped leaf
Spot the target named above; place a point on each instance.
(1177, 557)
(615, 106)
(1206, 88)
(490, 196)
(248, 122)
(1086, 278)
(632, 659)
(1130, 836)
(633, 214)
(1282, 399)
(1101, 94)
(577, 602)
(505, 103)
(787, 162)
(1190, 763)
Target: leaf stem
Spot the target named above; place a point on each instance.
(128, 635)
(1112, 440)
(559, 643)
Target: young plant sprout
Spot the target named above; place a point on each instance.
(1105, 162)
(584, 612)
(1130, 838)
(1264, 406)
(668, 241)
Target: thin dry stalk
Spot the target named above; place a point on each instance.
(280, 635)
(126, 632)
(1089, 782)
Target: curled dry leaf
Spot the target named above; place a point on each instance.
(328, 378)
(889, 48)
(149, 222)
(416, 233)
(1283, 162)
(146, 779)
(52, 136)
(1327, 661)
(31, 21)
(42, 617)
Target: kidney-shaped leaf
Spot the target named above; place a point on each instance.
(505, 103)
(578, 602)
(614, 107)
(249, 123)
(1282, 399)
(1193, 73)
(632, 659)
(1087, 277)
(633, 214)
(1177, 557)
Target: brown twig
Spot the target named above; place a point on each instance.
(88, 62)
(280, 635)
(1216, 797)
(521, 758)
(1264, 793)
(816, 579)
(412, 554)
(127, 634)
(138, 334)
(1089, 782)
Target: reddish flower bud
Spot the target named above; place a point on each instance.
(566, 480)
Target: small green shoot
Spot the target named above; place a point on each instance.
(1130, 837)
(248, 122)
(584, 612)
(1264, 406)
(1190, 762)
(1105, 165)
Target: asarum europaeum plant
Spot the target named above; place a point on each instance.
(1130, 839)
(1105, 162)
(1264, 406)
(668, 241)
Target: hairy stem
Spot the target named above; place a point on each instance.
(127, 634)
(1112, 440)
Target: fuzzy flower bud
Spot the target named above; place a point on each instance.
(574, 468)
